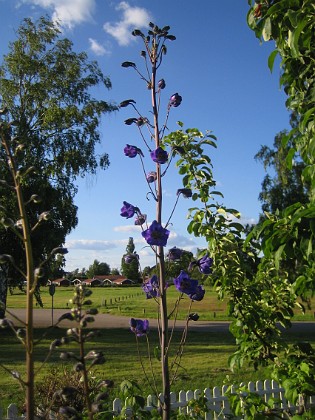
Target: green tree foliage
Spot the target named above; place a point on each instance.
(283, 186)
(98, 268)
(286, 236)
(291, 24)
(130, 268)
(46, 88)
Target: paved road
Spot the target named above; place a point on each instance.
(43, 318)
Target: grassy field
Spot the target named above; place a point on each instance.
(131, 301)
(204, 363)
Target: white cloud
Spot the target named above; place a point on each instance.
(90, 244)
(97, 48)
(68, 12)
(127, 228)
(132, 18)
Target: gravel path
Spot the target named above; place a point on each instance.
(43, 319)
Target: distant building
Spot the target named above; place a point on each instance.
(59, 282)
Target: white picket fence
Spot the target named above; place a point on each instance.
(217, 401)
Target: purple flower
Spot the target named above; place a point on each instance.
(159, 155)
(128, 210)
(161, 84)
(156, 234)
(190, 287)
(151, 287)
(132, 151)
(186, 192)
(204, 264)
(175, 100)
(198, 293)
(131, 257)
(151, 176)
(174, 254)
(139, 327)
(140, 219)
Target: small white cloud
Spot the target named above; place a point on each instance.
(127, 228)
(90, 244)
(97, 48)
(132, 17)
(68, 12)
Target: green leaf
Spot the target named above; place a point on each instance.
(267, 30)
(294, 37)
(271, 59)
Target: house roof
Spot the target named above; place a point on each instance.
(110, 277)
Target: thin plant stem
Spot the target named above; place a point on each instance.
(142, 365)
(151, 366)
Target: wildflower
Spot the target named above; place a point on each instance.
(151, 176)
(159, 155)
(161, 84)
(140, 219)
(193, 316)
(132, 151)
(156, 234)
(186, 192)
(175, 100)
(174, 254)
(190, 287)
(204, 264)
(198, 293)
(131, 257)
(128, 210)
(151, 287)
(139, 327)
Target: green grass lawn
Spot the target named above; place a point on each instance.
(204, 363)
(209, 352)
(131, 302)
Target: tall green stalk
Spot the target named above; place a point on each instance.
(30, 278)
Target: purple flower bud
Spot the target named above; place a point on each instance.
(175, 100)
(204, 264)
(193, 316)
(128, 210)
(161, 84)
(139, 327)
(128, 64)
(140, 219)
(131, 257)
(159, 155)
(132, 151)
(156, 234)
(174, 254)
(186, 192)
(127, 102)
(151, 287)
(151, 176)
(130, 121)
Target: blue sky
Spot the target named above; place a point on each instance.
(219, 68)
